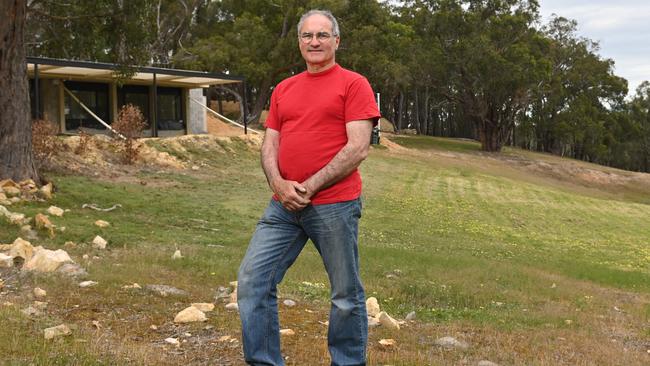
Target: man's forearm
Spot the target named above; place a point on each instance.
(270, 165)
(344, 162)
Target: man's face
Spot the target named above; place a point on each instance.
(318, 53)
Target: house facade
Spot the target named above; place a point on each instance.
(81, 95)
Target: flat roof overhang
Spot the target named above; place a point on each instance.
(106, 72)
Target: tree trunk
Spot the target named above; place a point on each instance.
(416, 112)
(16, 158)
(400, 111)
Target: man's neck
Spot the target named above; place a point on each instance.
(316, 68)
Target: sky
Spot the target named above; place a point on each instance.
(621, 27)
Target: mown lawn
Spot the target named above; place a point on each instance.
(525, 271)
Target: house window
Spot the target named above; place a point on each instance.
(92, 95)
(170, 109)
(137, 95)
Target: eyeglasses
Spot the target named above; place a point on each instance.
(320, 36)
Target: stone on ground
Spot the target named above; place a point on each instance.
(233, 295)
(451, 342)
(372, 306)
(387, 321)
(289, 303)
(58, 331)
(102, 224)
(39, 292)
(172, 341)
(55, 211)
(13, 217)
(373, 322)
(204, 306)
(22, 248)
(232, 306)
(85, 284)
(165, 290)
(46, 191)
(99, 242)
(27, 232)
(388, 343)
(72, 270)
(32, 311)
(6, 261)
(287, 332)
(190, 315)
(410, 316)
(177, 255)
(11, 191)
(487, 363)
(45, 260)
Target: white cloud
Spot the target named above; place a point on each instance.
(621, 28)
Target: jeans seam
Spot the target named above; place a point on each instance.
(268, 290)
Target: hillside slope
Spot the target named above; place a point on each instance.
(527, 258)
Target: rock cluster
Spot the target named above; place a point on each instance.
(26, 190)
(37, 259)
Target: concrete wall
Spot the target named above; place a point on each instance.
(196, 123)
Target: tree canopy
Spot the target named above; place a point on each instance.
(482, 69)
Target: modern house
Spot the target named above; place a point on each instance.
(88, 95)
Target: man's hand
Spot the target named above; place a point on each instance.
(290, 194)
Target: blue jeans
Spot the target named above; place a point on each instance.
(279, 238)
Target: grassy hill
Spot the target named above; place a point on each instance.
(529, 258)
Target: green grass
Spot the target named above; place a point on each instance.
(462, 246)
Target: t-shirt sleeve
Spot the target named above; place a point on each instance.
(272, 119)
(360, 102)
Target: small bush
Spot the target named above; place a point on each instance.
(45, 144)
(130, 124)
(84, 143)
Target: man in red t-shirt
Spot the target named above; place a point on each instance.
(318, 133)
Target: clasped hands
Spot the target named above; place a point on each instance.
(292, 195)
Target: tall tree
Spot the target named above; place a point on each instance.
(16, 159)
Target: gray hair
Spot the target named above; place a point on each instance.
(326, 13)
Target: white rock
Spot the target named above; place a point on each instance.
(85, 284)
(40, 305)
(22, 248)
(6, 261)
(388, 343)
(72, 270)
(387, 321)
(289, 303)
(372, 306)
(11, 191)
(411, 315)
(232, 306)
(487, 363)
(45, 260)
(55, 211)
(99, 242)
(451, 342)
(233, 295)
(13, 217)
(287, 332)
(85, 256)
(58, 331)
(31, 311)
(172, 341)
(373, 322)
(204, 306)
(190, 315)
(134, 286)
(39, 292)
(102, 224)
(177, 255)
(46, 191)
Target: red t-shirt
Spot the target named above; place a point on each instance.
(311, 111)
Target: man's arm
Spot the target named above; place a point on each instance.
(345, 161)
(286, 190)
